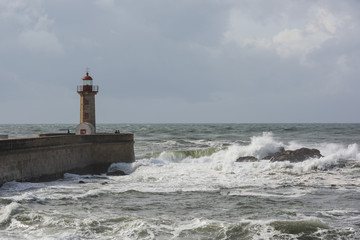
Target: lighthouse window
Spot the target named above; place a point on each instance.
(86, 115)
(86, 101)
(87, 82)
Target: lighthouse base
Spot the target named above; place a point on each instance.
(85, 128)
(49, 157)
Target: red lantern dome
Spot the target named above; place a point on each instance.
(87, 77)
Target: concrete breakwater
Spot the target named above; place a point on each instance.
(50, 156)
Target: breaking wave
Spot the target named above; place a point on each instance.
(216, 169)
(224, 158)
(7, 212)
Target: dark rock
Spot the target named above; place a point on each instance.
(116, 173)
(281, 150)
(82, 182)
(247, 159)
(294, 156)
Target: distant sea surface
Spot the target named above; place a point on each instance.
(186, 184)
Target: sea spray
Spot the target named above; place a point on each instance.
(262, 146)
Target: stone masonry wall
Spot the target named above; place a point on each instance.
(43, 158)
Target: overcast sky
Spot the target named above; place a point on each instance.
(183, 61)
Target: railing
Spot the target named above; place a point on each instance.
(87, 88)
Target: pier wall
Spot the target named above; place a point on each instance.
(49, 157)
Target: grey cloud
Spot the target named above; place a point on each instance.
(165, 61)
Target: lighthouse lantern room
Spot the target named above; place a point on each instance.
(87, 92)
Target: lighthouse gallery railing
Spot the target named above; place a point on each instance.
(88, 88)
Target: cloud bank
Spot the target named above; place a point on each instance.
(183, 61)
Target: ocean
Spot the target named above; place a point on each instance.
(186, 184)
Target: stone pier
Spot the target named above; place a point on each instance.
(50, 156)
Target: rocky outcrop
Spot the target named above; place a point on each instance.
(116, 173)
(247, 159)
(298, 155)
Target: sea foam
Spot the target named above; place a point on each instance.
(216, 168)
(7, 211)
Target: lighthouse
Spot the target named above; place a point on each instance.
(87, 92)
